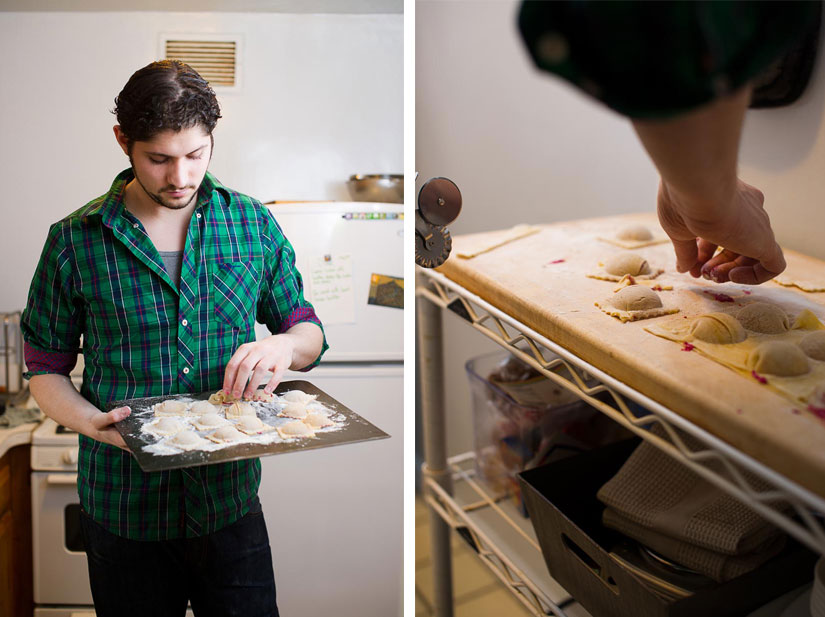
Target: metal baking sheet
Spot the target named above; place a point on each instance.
(352, 428)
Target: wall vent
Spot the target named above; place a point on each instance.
(216, 59)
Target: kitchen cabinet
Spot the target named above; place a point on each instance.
(15, 533)
(506, 542)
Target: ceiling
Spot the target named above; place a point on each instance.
(208, 6)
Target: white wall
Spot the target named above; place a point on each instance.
(321, 99)
(523, 146)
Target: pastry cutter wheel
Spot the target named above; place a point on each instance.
(439, 203)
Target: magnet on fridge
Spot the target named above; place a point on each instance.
(386, 291)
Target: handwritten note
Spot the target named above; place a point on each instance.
(330, 286)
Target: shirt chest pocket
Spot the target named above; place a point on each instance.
(235, 293)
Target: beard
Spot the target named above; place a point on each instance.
(159, 199)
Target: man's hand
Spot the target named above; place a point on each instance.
(249, 365)
(103, 429)
(750, 254)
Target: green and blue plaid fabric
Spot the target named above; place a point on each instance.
(657, 59)
(101, 280)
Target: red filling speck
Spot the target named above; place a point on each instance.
(746, 292)
(758, 377)
(795, 411)
(556, 261)
(657, 288)
(819, 412)
(739, 411)
(688, 347)
(720, 297)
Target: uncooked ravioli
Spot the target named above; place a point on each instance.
(636, 233)
(813, 345)
(209, 421)
(187, 440)
(165, 426)
(717, 328)
(170, 407)
(764, 317)
(627, 263)
(226, 434)
(298, 396)
(294, 410)
(251, 425)
(295, 428)
(203, 407)
(779, 358)
(635, 298)
(240, 408)
(316, 420)
(635, 302)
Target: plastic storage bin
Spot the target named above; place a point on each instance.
(522, 420)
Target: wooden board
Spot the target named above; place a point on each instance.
(527, 280)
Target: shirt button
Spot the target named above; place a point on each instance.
(135, 225)
(184, 323)
(198, 214)
(185, 370)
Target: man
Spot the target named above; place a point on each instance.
(163, 278)
(683, 73)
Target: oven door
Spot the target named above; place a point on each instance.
(61, 575)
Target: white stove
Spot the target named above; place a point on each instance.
(61, 579)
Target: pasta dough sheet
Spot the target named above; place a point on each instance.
(798, 389)
(658, 238)
(493, 241)
(804, 285)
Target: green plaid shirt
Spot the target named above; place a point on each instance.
(658, 59)
(101, 278)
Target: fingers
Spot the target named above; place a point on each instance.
(277, 376)
(259, 376)
(686, 254)
(239, 370)
(103, 420)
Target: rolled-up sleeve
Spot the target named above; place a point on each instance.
(52, 321)
(281, 303)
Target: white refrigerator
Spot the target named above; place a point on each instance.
(335, 515)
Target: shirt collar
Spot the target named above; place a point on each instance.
(110, 206)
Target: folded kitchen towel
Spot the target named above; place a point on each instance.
(660, 493)
(718, 566)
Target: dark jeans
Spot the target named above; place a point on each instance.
(225, 573)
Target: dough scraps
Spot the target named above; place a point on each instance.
(226, 434)
(170, 407)
(622, 264)
(634, 303)
(294, 410)
(261, 396)
(489, 242)
(164, 426)
(805, 285)
(635, 236)
(753, 356)
(296, 428)
(187, 440)
(627, 281)
(298, 396)
(318, 420)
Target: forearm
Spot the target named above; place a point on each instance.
(307, 340)
(59, 400)
(696, 154)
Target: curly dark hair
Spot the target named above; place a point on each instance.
(163, 95)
